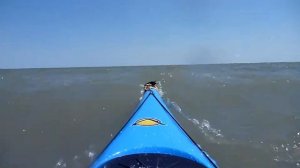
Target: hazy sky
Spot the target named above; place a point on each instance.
(72, 33)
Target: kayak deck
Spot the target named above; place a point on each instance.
(152, 136)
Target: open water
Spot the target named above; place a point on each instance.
(243, 115)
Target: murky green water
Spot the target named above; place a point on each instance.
(243, 115)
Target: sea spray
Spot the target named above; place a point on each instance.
(78, 160)
(288, 152)
(204, 125)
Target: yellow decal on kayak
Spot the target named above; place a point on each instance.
(148, 122)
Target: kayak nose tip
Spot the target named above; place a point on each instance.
(150, 85)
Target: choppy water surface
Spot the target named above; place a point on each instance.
(243, 115)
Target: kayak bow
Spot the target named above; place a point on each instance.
(152, 138)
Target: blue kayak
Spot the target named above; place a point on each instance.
(152, 138)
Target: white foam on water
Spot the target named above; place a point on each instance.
(282, 153)
(168, 74)
(176, 107)
(90, 152)
(209, 75)
(204, 125)
(288, 152)
(160, 88)
(60, 164)
(208, 130)
(76, 157)
(79, 159)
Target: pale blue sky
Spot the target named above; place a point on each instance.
(79, 33)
